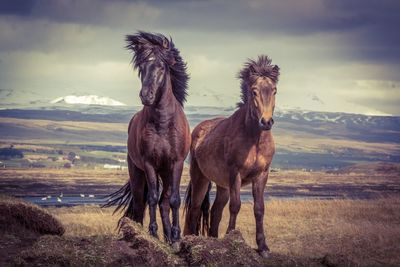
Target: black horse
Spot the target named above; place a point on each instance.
(159, 135)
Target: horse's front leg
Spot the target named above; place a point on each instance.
(234, 203)
(152, 197)
(164, 210)
(258, 187)
(175, 202)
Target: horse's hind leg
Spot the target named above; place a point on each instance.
(139, 191)
(199, 184)
(221, 199)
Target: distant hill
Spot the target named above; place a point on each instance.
(304, 139)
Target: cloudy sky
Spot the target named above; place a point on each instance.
(338, 55)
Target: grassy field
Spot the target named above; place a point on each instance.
(362, 232)
(345, 232)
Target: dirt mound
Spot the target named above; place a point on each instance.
(139, 248)
(21, 224)
(16, 215)
(66, 251)
(135, 247)
(231, 250)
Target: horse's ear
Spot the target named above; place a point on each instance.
(165, 43)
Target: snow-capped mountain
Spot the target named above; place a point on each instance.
(87, 100)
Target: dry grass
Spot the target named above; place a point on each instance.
(76, 175)
(299, 141)
(65, 125)
(366, 232)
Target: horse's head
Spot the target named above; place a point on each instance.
(262, 104)
(159, 64)
(259, 79)
(153, 74)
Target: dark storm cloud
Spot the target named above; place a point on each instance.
(370, 26)
(302, 17)
(17, 7)
(323, 46)
(377, 38)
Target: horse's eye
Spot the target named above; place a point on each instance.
(255, 93)
(275, 92)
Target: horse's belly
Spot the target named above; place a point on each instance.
(212, 161)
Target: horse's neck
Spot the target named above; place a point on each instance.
(165, 108)
(251, 128)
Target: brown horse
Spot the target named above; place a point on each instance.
(234, 152)
(159, 135)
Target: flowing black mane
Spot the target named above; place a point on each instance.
(254, 69)
(145, 45)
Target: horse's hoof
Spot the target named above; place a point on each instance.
(265, 254)
(176, 246)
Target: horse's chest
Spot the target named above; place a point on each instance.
(158, 147)
(256, 161)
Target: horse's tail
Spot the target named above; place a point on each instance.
(188, 198)
(203, 222)
(205, 213)
(123, 200)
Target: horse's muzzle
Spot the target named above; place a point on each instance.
(148, 98)
(266, 125)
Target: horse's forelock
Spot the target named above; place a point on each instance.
(253, 69)
(144, 45)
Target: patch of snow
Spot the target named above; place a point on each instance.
(87, 100)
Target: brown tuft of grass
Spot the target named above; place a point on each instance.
(16, 215)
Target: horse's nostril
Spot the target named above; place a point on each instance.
(266, 124)
(263, 122)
